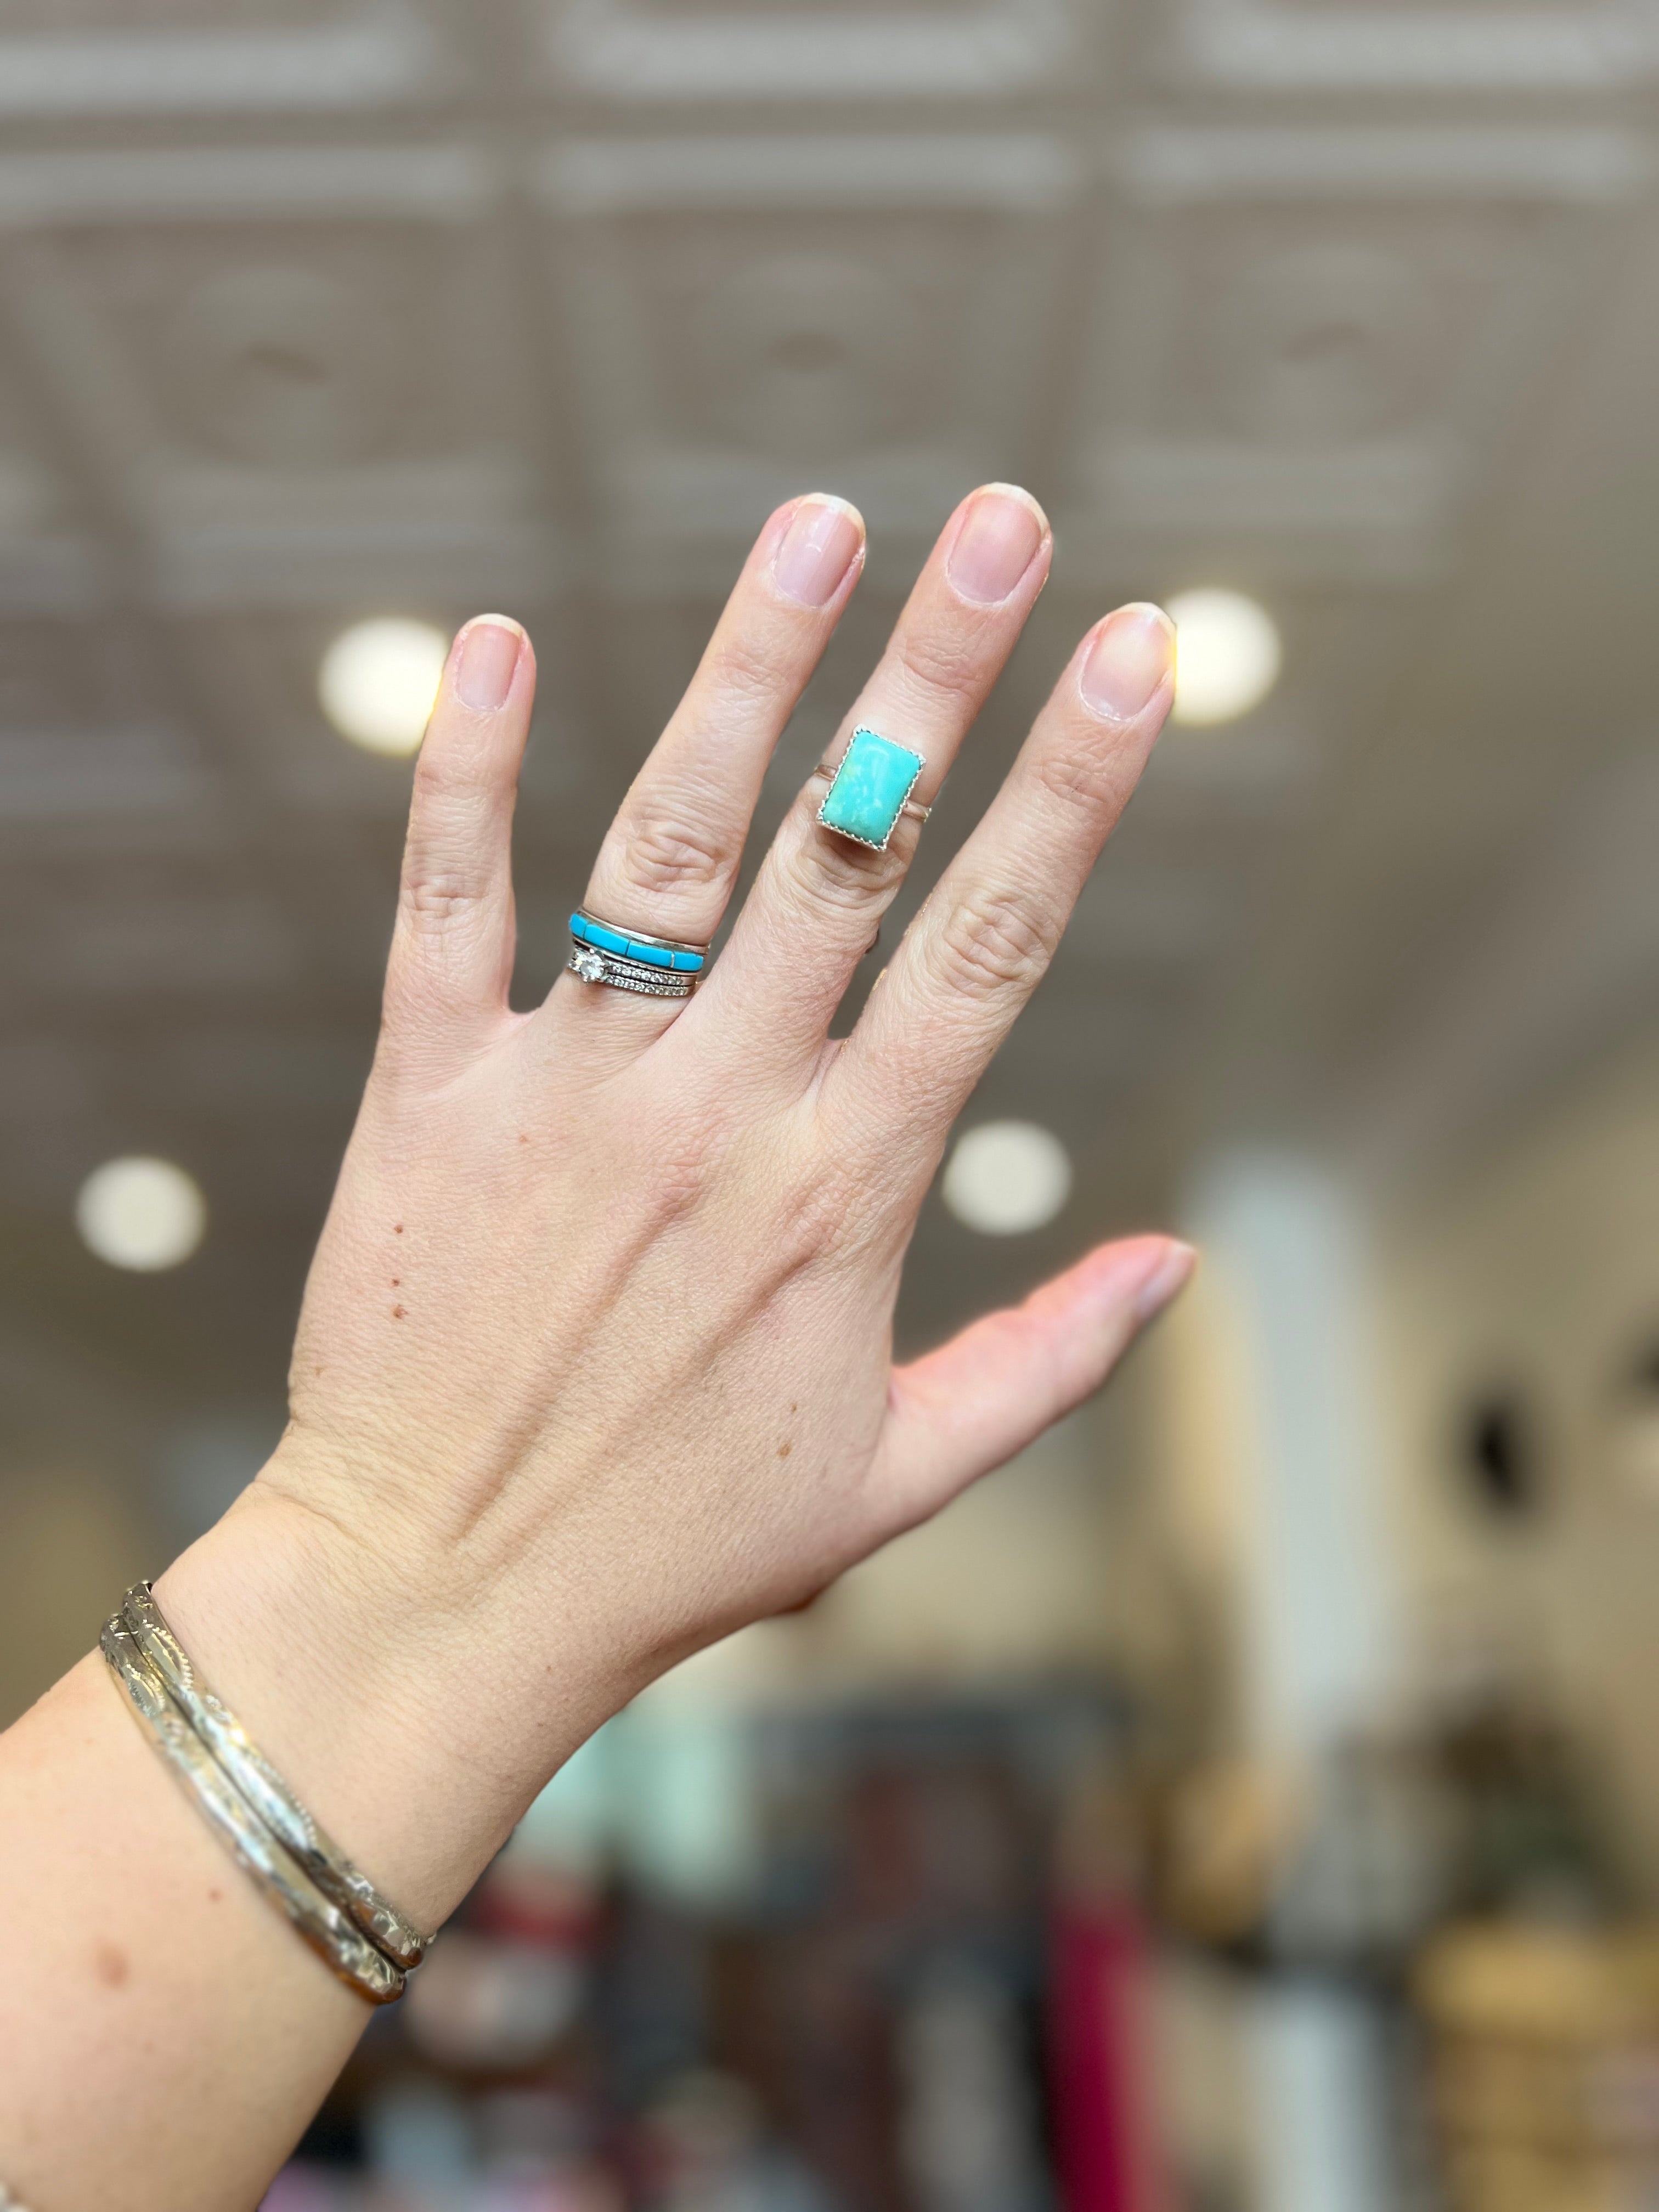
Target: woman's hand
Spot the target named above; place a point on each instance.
(594, 1364)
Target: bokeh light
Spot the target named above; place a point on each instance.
(1228, 655)
(141, 1213)
(1008, 1176)
(378, 681)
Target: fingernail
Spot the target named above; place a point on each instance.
(489, 653)
(1173, 1270)
(995, 544)
(1128, 661)
(818, 548)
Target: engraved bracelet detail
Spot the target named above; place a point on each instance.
(258, 1781)
(251, 1810)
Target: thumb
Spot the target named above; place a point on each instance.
(991, 1390)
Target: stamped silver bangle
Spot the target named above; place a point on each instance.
(330, 1932)
(251, 1773)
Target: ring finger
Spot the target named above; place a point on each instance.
(668, 864)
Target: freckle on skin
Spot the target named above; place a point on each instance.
(109, 1965)
(397, 1313)
(784, 1450)
(396, 1228)
(215, 1897)
(395, 1281)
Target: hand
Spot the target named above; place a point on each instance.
(594, 1364)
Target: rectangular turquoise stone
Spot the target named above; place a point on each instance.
(869, 788)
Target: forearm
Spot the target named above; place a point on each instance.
(167, 2035)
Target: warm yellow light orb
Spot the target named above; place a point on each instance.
(1228, 655)
(378, 681)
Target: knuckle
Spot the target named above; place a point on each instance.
(682, 1169)
(813, 1225)
(991, 944)
(855, 1209)
(834, 872)
(826, 1221)
(1080, 778)
(435, 900)
(948, 660)
(740, 666)
(660, 854)
(450, 769)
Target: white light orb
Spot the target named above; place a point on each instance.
(1008, 1176)
(145, 1214)
(1228, 655)
(378, 682)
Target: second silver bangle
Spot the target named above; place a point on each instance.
(325, 1927)
(252, 1774)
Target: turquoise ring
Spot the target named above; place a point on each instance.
(870, 788)
(632, 959)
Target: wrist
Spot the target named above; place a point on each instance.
(382, 1696)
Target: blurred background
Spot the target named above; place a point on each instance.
(1248, 1801)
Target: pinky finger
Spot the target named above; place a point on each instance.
(966, 1408)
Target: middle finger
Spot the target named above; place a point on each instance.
(818, 898)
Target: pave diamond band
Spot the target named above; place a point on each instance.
(632, 959)
(594, 967)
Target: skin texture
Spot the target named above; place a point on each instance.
(594, 1364)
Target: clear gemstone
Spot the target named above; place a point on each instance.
(588, 965)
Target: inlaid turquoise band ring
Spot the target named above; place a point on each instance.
(870, 788)
(632, 959)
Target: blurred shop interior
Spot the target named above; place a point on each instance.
(1248, 1801)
